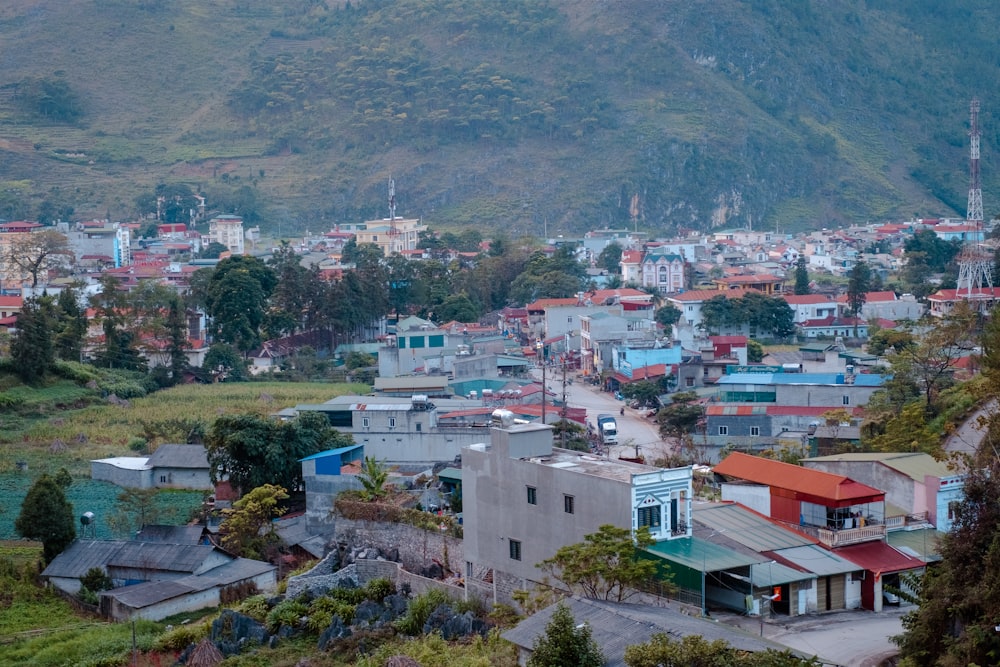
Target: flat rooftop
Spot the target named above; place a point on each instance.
(591, 464)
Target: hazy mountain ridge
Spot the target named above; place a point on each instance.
(509, 114)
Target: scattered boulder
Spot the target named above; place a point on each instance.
(452, 625)
(336, 630)
(232, 631)
(395, 606)
(368, 612)
(432, 571)
(401, 661)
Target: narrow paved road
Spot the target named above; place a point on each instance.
(633, 429)
(967, 437)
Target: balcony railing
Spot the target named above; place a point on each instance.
(840, 538)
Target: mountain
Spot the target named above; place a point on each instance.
(519, 114)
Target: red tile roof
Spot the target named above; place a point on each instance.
(959, 295)
(796, 478)
(750, 280)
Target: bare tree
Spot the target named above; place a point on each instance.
(37, 252)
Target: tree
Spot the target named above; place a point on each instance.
(46, 516)
(755, 352)
(610, 258)
(457, 307)
(177, 345)
(253, 450)
(134, 509)
(605, 565)
(565, 644)
(858, 286)
(213, 250)
(242, 526)
(959, 598)
(681, 416)
(646, 392)
(373, 477)
(667, 315)
(237, 300)
(31, 348)
(70, 326)
(35, 253)
(801, 276)
(224, 363)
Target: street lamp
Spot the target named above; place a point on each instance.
(540, 349)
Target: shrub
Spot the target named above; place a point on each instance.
(96, 579)
(125, 390)
(255, 607)
(75, 371)
(379, 589)
(419, 610)
(10, 402)
(353, 596)
(87, 595)
(182, 636)
(286, 613)
(322, 610)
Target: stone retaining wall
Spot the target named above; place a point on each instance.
(416, 547)
(319, 579)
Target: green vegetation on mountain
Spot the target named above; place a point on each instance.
(518, 114)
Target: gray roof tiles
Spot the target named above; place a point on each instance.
(179, 456)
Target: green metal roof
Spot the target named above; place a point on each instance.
(701, 555)
(748, 528)
(924, 542)
(451, 473)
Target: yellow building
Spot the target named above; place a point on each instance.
(391, 236)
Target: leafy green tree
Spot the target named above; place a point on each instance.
(889, 340)
(63, 478)
(667, 315)
(356, 360)
(570, 435)
(610, 258)
(238, 300)
(565, 643)
(373, 477)
(224, 363)
(858, 285)
(243, 527)
(253, 450)
(681, 416)
(96, 579)
(70, 326)
(178, 344)
(558, 276)
(457, 307)
(46, 516)
(801, 276)
(52, 99)
(960, 596)
(605, 565)
(213, 250)
(755, 351)
(646, 392)
(135, 508)
(31, 347)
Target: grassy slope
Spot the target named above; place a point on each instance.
(719, 107)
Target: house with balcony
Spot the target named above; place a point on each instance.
(923, 488)
(844, 515)
(523, 499)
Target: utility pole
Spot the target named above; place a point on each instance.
(562, 412)
(540, 349)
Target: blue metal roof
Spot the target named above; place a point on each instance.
(333, 452)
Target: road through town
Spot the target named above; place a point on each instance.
(633, 429)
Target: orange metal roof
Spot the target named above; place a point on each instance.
(795, 478)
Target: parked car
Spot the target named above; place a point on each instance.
(890, 598)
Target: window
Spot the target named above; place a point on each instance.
(420, 427)
(755, 430)
(392, 422)
(515, 549)
(649, 516)
(570, 319)
(365, 422)
(532, 495)
(568, 504)
(723, 430)
(847, 400)
(689, 381)
(163, 479)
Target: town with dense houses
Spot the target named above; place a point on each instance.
(739, 364)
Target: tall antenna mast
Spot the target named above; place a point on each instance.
(392, 199)
(974, 270)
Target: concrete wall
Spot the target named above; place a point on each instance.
(405, 444)
(321, 492)
(123, 477)
(823, 395)
(416, 547)
(181, 478)
(757, 498)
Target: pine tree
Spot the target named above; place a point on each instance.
(801, 276)
(47, 516)
(178, 340)
(564, 644)
(31, 349)
(858, 286)
(71, 326)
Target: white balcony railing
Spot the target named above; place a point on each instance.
(839, 538)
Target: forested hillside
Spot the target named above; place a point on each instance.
(517, 114)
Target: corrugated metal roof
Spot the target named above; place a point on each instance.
(701, 555)
(925, 542)
(451, 473)
(780, 475)
(333, 452)
(748, 528)
(765, 575)
(170, 534)
(816, 559)
(158, 556)
(616, 626)
(825, 379)
(879, 557)
(80, 556)
(915, 465)
(179, 456)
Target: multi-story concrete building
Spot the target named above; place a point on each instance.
(227, 230)
(523, 499)
(846, 390)
(662, 270)
(392, 235)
